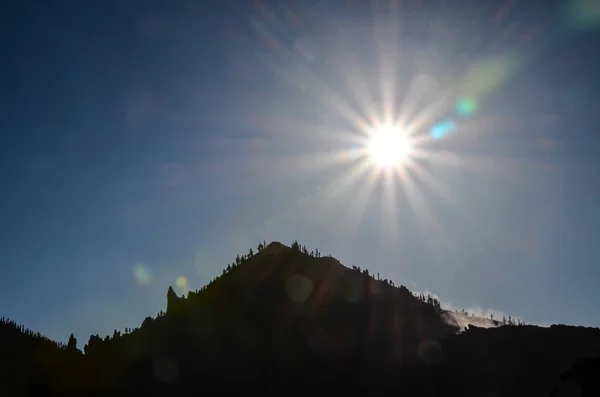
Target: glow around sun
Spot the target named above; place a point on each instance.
(388, 146)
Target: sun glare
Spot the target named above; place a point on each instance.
(389, 146)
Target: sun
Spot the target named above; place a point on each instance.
(388, 146)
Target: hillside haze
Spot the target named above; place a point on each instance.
(289, 320)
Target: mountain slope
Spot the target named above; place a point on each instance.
(283, 300)
(284, 320)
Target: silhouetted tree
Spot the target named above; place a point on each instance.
(72, 344)
(93, 344)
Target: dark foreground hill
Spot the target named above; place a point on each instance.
(289, 321)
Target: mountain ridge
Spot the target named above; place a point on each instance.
(284, 311)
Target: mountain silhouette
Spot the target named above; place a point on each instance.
(283, 320)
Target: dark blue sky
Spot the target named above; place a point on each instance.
(145, 144)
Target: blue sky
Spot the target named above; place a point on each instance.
(141, 142)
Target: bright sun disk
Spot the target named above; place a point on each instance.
(389, 146)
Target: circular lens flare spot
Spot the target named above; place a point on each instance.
(141, 274)
(299, 288)
(466, 106)
(182, 283)
(440, 130)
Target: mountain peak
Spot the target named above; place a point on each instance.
(174, 302)
(281, 312)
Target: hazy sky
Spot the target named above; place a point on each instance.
(146, 141)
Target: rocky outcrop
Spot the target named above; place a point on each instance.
(174, 302)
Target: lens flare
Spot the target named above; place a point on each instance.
(141, 274)
(466, 106)
(440, 130)
(182, 283)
